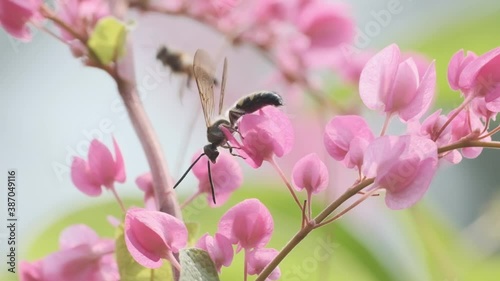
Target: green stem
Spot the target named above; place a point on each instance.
(301, 234)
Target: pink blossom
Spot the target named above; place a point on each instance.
(310, 173)
(100, 170)
(218, 247)
(480, 107)
(457, 64)
(258, 259)
(268, 11)
(153, 235)
(430, 128)
(403, 165)
(467, 125)
(226, 177)
(248, 224)
(351, 65)
(266, 133)
(391, 85)
(481, 77)
(326, 25)
(31, 271)
(346, 137)
(145, 183)
(82, 256)
(82, 16)
(291, 58)
(14, 14)
(210, 9)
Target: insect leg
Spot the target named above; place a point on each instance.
(211, 182)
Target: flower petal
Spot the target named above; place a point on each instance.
(150, 235)
(310, 173)
(83, 178)
(101, 163)
(119, 165)
(248, 224)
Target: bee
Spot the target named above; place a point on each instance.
(178, 62)
(204, 71)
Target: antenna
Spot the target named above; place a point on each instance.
(189, 169)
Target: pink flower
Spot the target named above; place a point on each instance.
(82, 15)
(481, 77)
(351, 65)
(31, 271)
(145, 183)
(248, 224)
(326, 25)
(480, 108)
(219, 248)
(391, 85)
(226, 177)
(268, 11)
(14, 14)
(457, 64)
(346, 137)
(152, 235)
(403, 165)
(430, 128)
(266, 133)
(100, 170)
(291, 58)
(258, 259)
(310, 173)
(467, 124)
(82, 256)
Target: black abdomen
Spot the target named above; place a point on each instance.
(258, 100)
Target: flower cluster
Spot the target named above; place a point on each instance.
(404, 165)
(83, 255)
(248, 230)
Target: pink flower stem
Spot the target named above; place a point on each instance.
(469, 143)
(491, 133)
(301, 234)
(173, 261)
(285, 180)
(309, 206)
(120, 202)
(49, 14)
(48, 31)
(190, 199)
(386, 124)
(245, 266)
(343, 212)
(304, 219)
(455, 114)
(165, 196)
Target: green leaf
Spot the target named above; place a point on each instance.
(130, 270)
(197, 266)
(107, 41)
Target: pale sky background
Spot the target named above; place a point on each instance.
(49, 103)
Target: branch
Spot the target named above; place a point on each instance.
(301, 234)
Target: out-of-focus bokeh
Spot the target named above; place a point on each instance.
(51, 106)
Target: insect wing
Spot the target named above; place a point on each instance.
(223, 86)
(204, 71)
